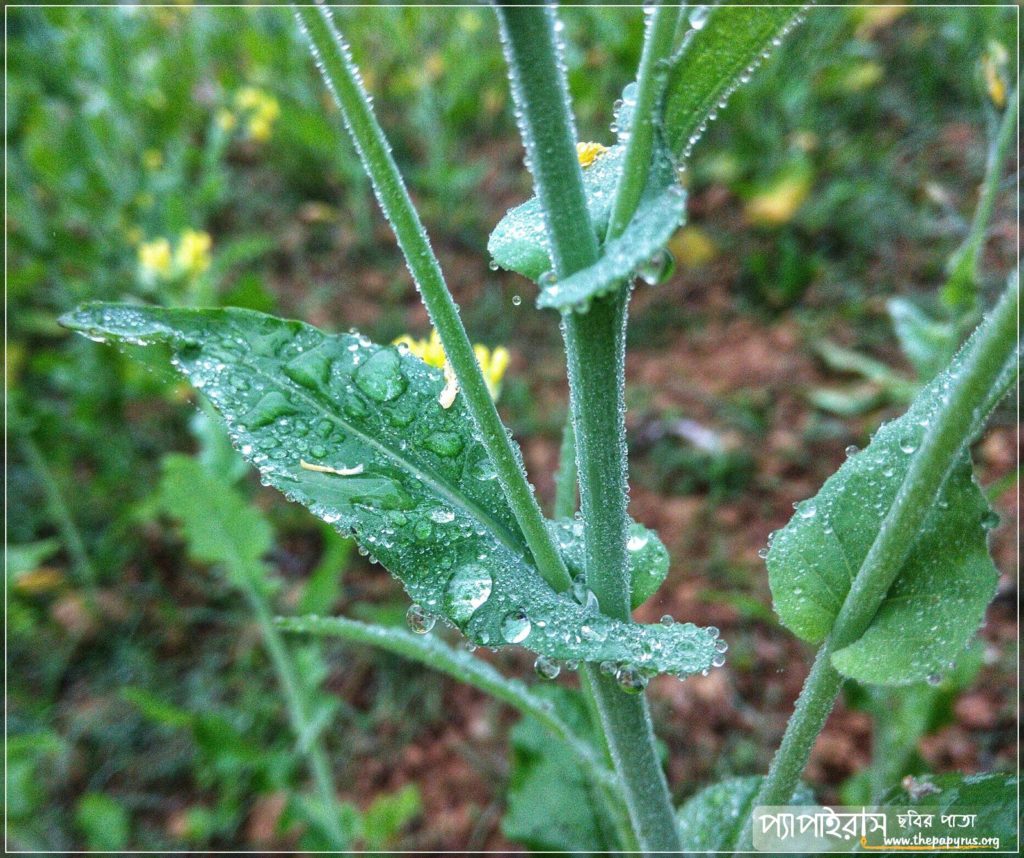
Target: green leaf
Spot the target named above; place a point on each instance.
(388, 815)
(710, 820)
(715, 58)
(648, 558)
(103, 822)
(220, 526)
(661, 210)
(993, 797)
(940, 595)
(927, 342)
(411, 482)
(551, 804)
(519, 241)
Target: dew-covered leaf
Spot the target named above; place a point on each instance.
(639, 250)
(939, 596)
(519, 242)
(647, 556)
(710, 820)
(355, 432)
(722, 50)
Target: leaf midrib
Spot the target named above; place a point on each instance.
(440, 487)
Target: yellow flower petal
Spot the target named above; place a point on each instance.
(589, 152)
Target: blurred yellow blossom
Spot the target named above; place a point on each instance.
(226, 119)
(589, 152)
(193, 253)
(191, 257)
(994, 70)
(777, 203)
(261, 110)
(493, 363)
(692, 247)
(155, 258)
(153, 159)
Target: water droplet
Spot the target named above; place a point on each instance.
(934, 679)
(272, 406)
(493, 265)
(807, 510)
(467, 589)
(762, 553)
(546, 668)
(630, 680)
(658, 268)
(990, 519)
(668, 620)
(516, 627)
(852, 450)
(516, 300)
(444, 443)
(699, 17)
(637, 541)
(380, 378)
(419, 620)
(908, 444)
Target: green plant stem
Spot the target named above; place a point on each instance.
(335, 61)
(964, 265)
(956, 424)
(61, 516)
(308, 742)
(437, 655)
(596, 375)
(661, 29)
(565, 478)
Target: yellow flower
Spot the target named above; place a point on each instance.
(589, 152)
(193, 253)
(153, 159)
(993, 68)
(778, 203)
(155, 258)
(692, 247)
(493, 363)
(262, 111)
(226, 119)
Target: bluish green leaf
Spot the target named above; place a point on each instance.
(660, 212)
(648, 558)
(710, 821)
(519, 242)
(721, 52)
(939, 597)
(928, 343)
(403, 475)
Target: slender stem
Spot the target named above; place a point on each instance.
(954, 426)
(596, 374)
(295, 700)
(437, 655)
(339, 71)
(565, 478)
(61, 515)
(661, 29)
(961, 289)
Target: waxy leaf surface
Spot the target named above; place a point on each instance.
(716, 57)
(416, 489)
(939, 597)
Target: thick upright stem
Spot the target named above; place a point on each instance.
(957, 423)
(335, 61)
(596, 374)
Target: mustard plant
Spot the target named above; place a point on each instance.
(412, 459)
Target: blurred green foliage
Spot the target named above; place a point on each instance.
(188, 156)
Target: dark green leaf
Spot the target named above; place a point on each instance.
(710, 820)
(716, 57)
(940, 595)
(409, 480)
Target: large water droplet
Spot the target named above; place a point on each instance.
(272, 406)
(630, 680)
(546, 668)
(467, 589)
(380, 378)
(516, 627)
(444, 443)
(419, 619)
